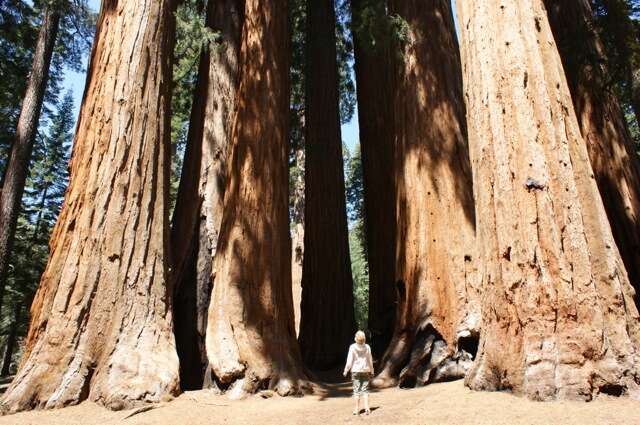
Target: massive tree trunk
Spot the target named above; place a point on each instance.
(611, 149)
(101, 326)
(18, 165)
(558, 318)
(250, 333)
(437, 290)
(327, 319)
(198, 212)
(375, 119)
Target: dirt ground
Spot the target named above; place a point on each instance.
(447, 403)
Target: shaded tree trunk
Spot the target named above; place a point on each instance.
(553, 283)
(436, 281)
(611, 149)
(101, 326)
(250, 332)
(18, 165)
(12, 338)
(327, 319)
(198, 212)
(375, 118)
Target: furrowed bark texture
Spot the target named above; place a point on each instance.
(250, 333)
(436, 281)
(198, 212)
(558, 318)
(375, 117)
(18, 165)
(101, 326)
(604, 129)
(327, 318)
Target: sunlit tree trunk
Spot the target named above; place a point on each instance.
(199, 205)
(327, 317)
(375, 120)
(558, 318)
(297, 239)
(435, 277)
(101, 326)
(17, 169)
(611, 149)
(250, 334)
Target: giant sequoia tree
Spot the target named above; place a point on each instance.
(611, 150)
(250, 335)
(101, 320)
(375, 119)
(558, 318)
(327, 320)
(434, 204)
(199, 205)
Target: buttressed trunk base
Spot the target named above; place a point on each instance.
(101, 326)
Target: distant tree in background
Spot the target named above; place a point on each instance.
(63, 31)
(191, 37)
(18, 35)
(44, 193)
(357, 235)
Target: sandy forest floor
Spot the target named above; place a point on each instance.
(447, 403)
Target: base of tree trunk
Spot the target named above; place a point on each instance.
(418, 360)
(128, 378)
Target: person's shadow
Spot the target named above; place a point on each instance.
(332, 384)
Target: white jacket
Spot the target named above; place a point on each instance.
(359, 359)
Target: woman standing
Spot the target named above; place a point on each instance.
(360, 363)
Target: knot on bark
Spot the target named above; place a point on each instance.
(533, 184)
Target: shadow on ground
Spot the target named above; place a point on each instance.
(331, 384)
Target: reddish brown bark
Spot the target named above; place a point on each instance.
(327, 320)
(612, 151)
(101, 326)
(375, 119)
(250, 334)
(436, 282)
(17, 169)
(198, 212)
(558, 318)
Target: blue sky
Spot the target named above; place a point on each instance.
(75, 81)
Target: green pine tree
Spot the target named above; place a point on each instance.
(44, 194)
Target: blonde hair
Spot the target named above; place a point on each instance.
(360, 338)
